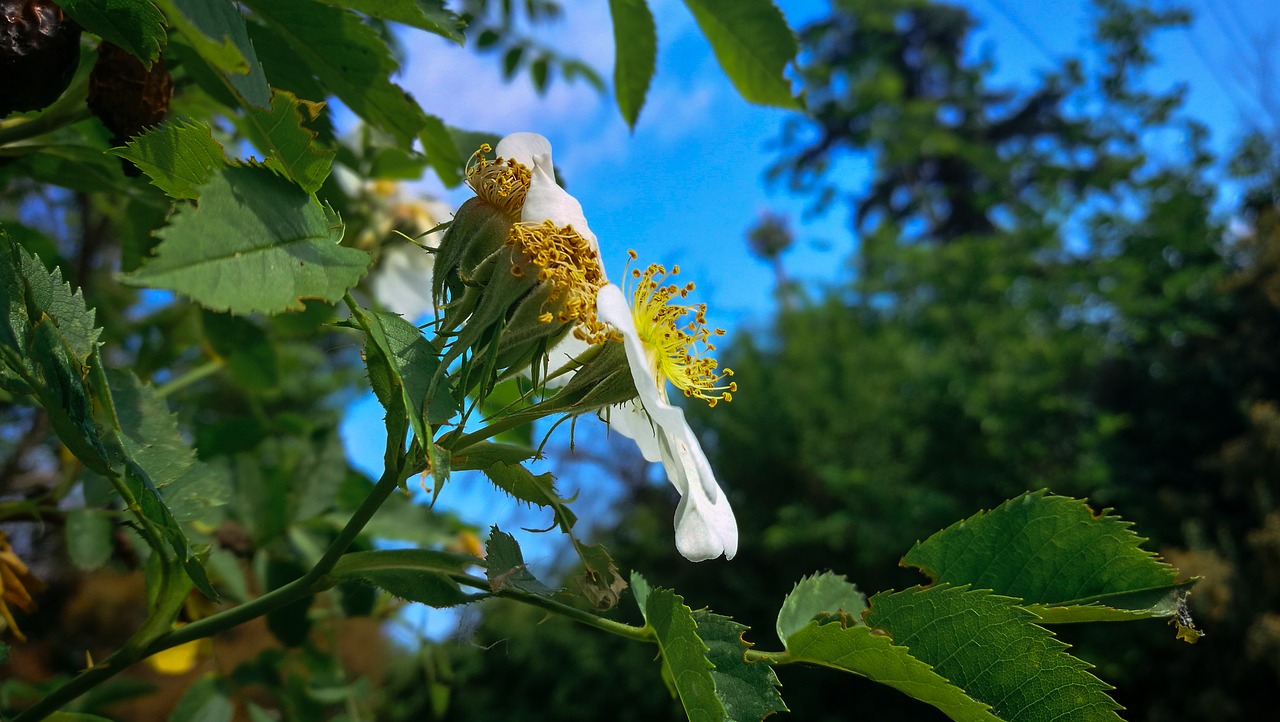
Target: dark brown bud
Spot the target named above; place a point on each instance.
(39, 53)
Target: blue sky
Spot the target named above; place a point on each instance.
(687, 184)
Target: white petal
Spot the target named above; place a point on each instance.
(612, 308)
(546, 200)
(402, 282)
(524, 148)
(705, 525)
(630, 420)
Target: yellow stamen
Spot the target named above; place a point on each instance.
(572, 265)
(501, 183)
(676, 353)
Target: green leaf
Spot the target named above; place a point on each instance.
(748, 690)
(59, 385)
(821, 595)
(256, 242)
(429, 15)
(349, 58)
(684, 655)
(539, 490)
(505, 567)
(281, 133)
(248, 351)
(134, 25)
(30, 292)
(216, 30)
(442, 153)
(635, 40)
(418, 575)
(1066, 563)
(178, 157)
(600, 581)
(206, 700)
(88, 534)
(991, 648)
(753, 44)
(403, 378)
(865, 652)
(75, 717)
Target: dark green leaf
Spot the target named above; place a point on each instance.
(442, 152)
(635, 40)
(511, 61)
(216, 30)
(1066, 563)
(249, 354)
(75, 717)
(134, 25)
(29, 292)
(539, 70)
(289, 623)
(418, 575)
(88, 535)
(178, 157)
(992, 649)
(429, 15)
(59, 385)
(753, 44)
(863, 651)
(748, 690)
(821, 595)
(505, 567)
(684, 655)
(255, 243)
(205, 700)
(349, 58)
(282, 134)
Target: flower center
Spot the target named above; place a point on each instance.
(680, 350)
(501, 183)
(572, 265)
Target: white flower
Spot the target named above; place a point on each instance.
(658, 352)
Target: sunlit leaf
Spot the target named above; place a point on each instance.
(751, 40)
(134, 25)
(684, 654)
(282, 135)
(429, 15)
(178, 157)
(418, 575)
(216, 30)
(635, 40)
(827, 595)
(256, 242)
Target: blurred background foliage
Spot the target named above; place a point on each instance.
(1046, 296)
(1051, 291)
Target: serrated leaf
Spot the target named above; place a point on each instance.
(216, 30)
(826, 594)
(635, 39)
(991, 648)
(684, 655)
(862, 651)
(281, 133)
(137, 26)
(59, 385)
(256, 242)
(486, 453)
(349, 58)
(178, 157)
(505, 567)
(88, 535)
(539, 490)
(753, 44)
(1052, 552)
(418, 575)
(401, 364)
(30, 292)
(600, 581)
(429, 15)
(748, 690)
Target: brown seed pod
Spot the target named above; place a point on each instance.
(39, 53)
(126, 96)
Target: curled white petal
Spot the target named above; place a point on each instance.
(527, 149)
(705, 525)
(630, 420)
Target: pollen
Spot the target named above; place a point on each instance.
(678, 335)
(571, 264)
(500, 183)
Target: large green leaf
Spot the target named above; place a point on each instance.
(282, 135)
(216, 30)
(178, 157)
(862, 651)
(256, 242)
(991, 648)
(827, 595)
(684, 654)
(505, 567)
(30, 292)
(134, 25)
(349, 58)
(1066, 563)
(753, 44)
(635, 40)
(418, 575)
(748, 690)
(429, 15)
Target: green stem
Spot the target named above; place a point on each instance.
(773, 658)
(638, 634)
(204, 370)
